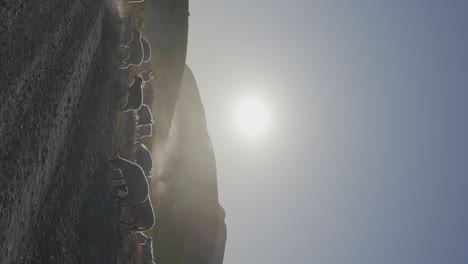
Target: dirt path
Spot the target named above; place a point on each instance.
(57, 121)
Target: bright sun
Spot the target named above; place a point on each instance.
(252, 117)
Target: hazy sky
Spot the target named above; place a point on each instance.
(366, 156)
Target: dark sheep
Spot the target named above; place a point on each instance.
(135, 50)
(136, 182)
(145, 116)
(144, 131)
(147, 75)
(119, 183)
(147, 252)
(144, 159)
(135, 95)
(146, 50)
(125, 53)
(143, 216)
(140, 238)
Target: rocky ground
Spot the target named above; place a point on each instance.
(59, 124)
(60, 95)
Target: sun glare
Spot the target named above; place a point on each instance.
(252, 117)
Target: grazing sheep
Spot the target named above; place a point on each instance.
(145, 116)
(143, 216)
(140, 238)
(119, 184)
(146, 50)
(144, 131)
(147, 75)
(136, 181)
(147, 251)
(144, 159)
(135, 51)
(125, 53)
(135, 95)
(117, 174)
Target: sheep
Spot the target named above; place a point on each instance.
(144, 159)
(147, 251)
(146, 50)
(144, 131)
(135, 95)
(125, 53)
(143, 216)
(135, 179)
(145, 116)
(140, 238)
(119, 183)
(135, 51)
(147, 75)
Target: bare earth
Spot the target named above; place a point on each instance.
(59, 124)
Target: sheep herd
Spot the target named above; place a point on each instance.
(129, 178)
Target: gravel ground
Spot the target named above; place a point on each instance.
(59, 124)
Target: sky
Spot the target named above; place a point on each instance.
(365, 157)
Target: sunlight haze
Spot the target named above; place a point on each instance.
(364, 159)
(252, 117)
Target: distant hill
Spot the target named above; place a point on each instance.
(189, 212)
